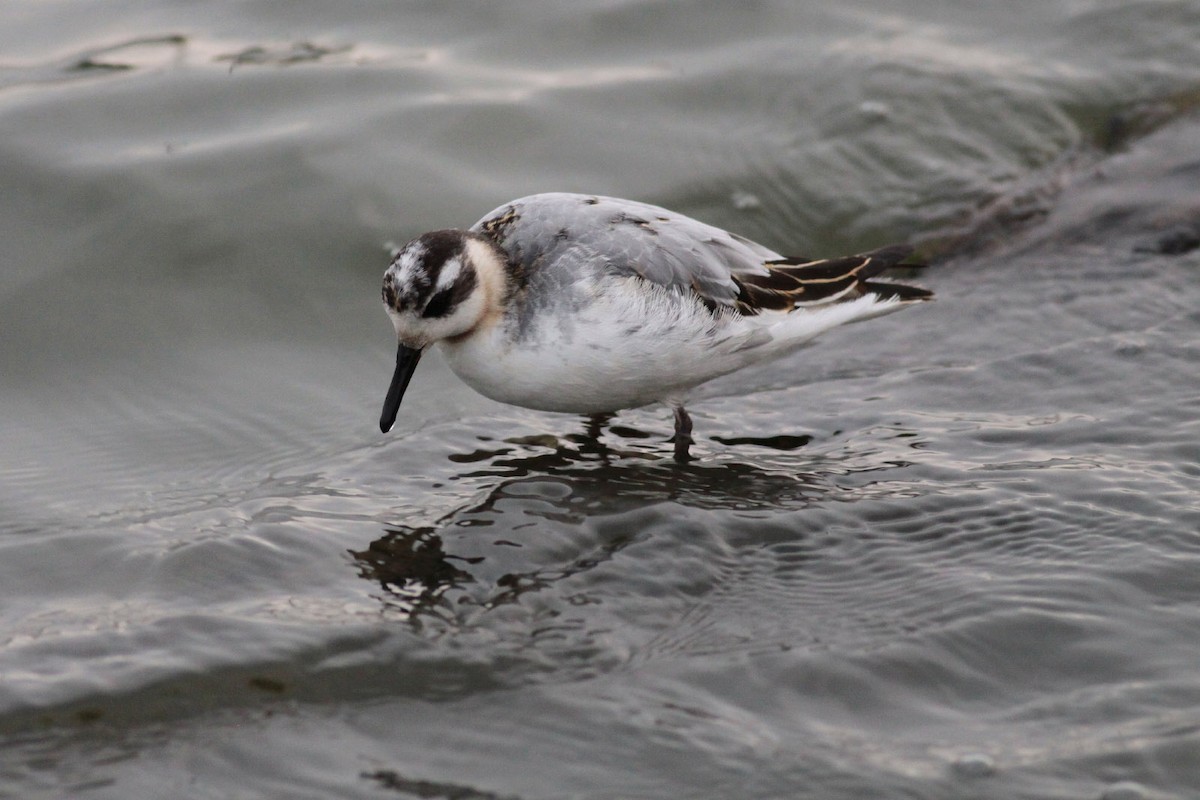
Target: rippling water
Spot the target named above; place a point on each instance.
(950, 553)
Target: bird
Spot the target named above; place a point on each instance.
(590, 305)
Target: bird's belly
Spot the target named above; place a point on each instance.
(574, 377)
(605, 357)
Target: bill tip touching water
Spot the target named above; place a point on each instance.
(588, 304)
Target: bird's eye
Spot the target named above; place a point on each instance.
(439, 304)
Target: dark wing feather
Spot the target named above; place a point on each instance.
(887, 290)
(797, 282)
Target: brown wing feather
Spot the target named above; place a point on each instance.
(794, 282)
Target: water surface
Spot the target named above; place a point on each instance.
(949, 553)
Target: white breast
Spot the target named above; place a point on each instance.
(632, 345)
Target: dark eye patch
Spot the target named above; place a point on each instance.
(439, 304)
(447, 299)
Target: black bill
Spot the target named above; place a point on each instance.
(406, 364)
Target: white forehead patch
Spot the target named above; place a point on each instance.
(409, 266)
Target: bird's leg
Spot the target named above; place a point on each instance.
(596, 423)
(592, 443)
(683, 435)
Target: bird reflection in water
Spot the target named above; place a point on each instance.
(412, 568)
(544, 490)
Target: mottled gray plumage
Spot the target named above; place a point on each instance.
(624, 237)
(552, 239)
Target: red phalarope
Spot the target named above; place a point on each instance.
(586, 304)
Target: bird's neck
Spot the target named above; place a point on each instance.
(493, 280)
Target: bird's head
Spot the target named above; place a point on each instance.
(439, 286)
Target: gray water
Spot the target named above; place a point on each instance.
(952, 553)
